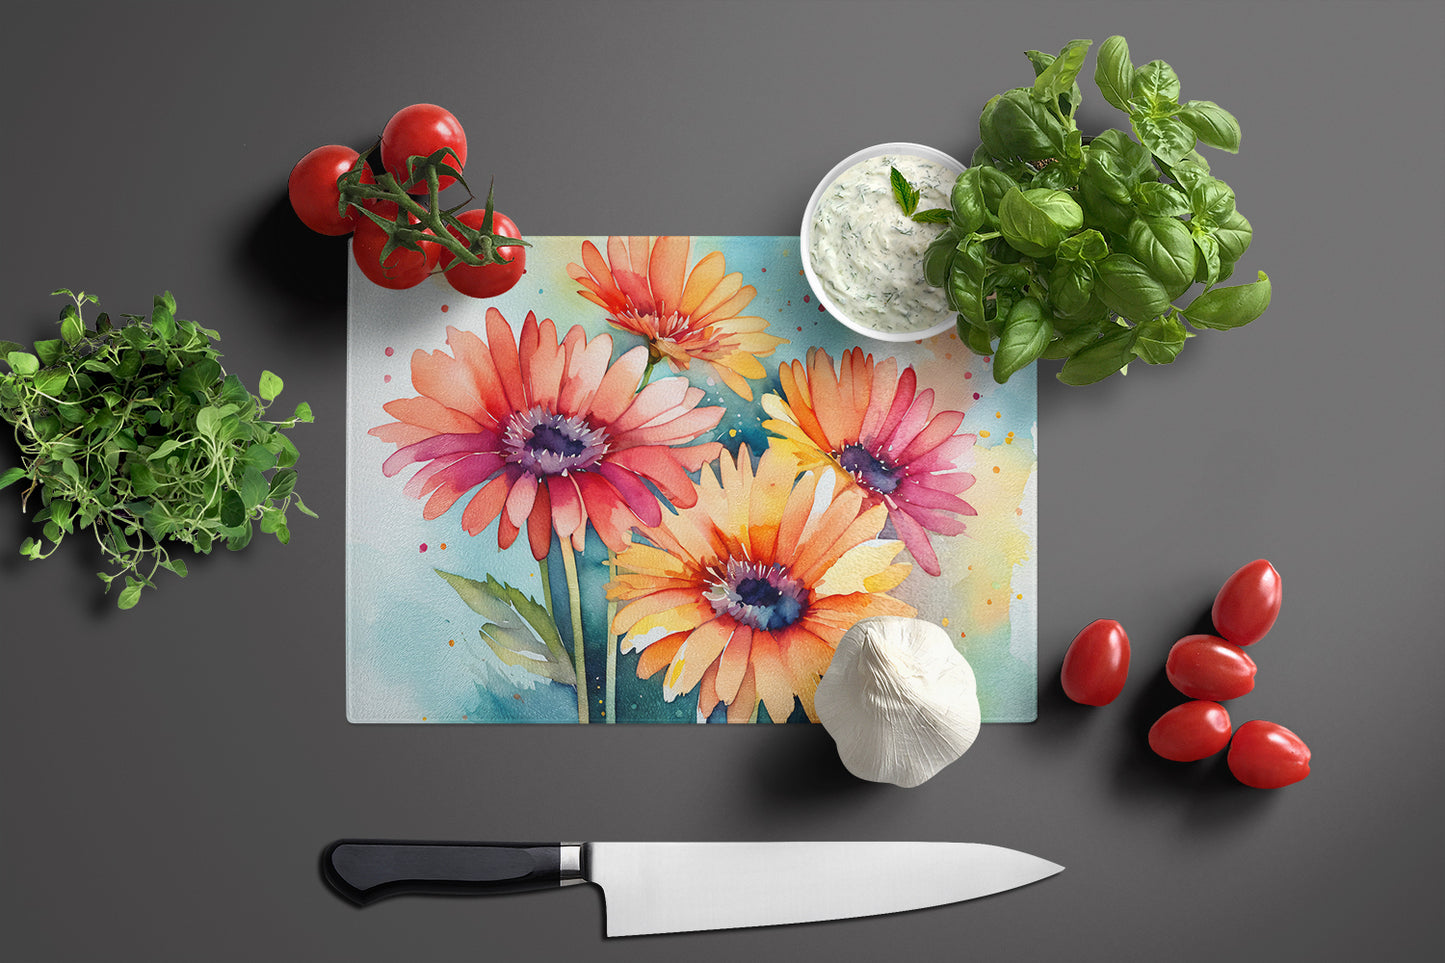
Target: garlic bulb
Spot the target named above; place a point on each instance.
(899, 700)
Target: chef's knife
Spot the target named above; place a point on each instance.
(675, 887)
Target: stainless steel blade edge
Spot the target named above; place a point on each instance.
(678, 887)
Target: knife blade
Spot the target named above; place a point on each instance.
(660, 887)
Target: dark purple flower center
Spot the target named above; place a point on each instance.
(546, 443)
(761, 596)
(871, 471)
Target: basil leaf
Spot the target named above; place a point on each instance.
(11, 475)
(974, 338)
(966, 276)
(1070, 342)
(1114, 72)
(970, 211)
(1233, 235)
(1015, 125)
(1165, 247)
(1057, 78)
(1128, 288)
(1209, 260)
(1025, 335)
(1100, 359)
(1087, 245)
(1232, 307)
(938, 258)
(1168, 139)
(1212, 124)
(1160, 200)
(1159, 340)
(1071, 286)
(1156, 88)
(994, 184)
(1035, 221)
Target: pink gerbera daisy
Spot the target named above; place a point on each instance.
(646, 289)
(555, 433)
(875, 429)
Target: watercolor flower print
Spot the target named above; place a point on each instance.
(554, 436)
(732, 571)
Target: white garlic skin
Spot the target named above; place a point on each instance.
(899, 700)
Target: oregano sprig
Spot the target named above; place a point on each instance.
(137, 435)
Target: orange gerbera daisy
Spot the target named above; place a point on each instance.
(746, 594)
(874, 428)
(555, 432)
(645, 288)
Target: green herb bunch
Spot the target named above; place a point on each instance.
(137, 434)
(1061, 249)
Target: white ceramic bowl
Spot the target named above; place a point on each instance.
(948, 318)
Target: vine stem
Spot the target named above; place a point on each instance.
(579, 651)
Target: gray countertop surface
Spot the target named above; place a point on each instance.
(173, 772)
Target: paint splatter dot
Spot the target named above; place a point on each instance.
(975, 396)
(1018, 511)
(945, 621)
(967, 375)
(517, 696)
(807, 299)
(800, 327)
(990, 601)
(451, 643)
(983, 434)
(443, 546)
(995, 469)
(445, 309)
(820, 307)
(423, 547)
(998, 414)
(386, 379)
(389, 352)
(1019, 596)
(423, 718)
(765, 270)
(732, 432)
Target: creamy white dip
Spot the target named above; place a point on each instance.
(868, 254)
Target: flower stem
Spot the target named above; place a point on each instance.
(610, 703)
(579, 653)
(547, 589)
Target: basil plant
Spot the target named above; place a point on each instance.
(1078, 251)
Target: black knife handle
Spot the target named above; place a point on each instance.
(366, 870)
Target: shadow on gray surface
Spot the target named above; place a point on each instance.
(802, 768)
(298, 263)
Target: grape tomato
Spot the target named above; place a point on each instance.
(1192, 731)
(1097, 663)
(1248, 604)
(1207, 667)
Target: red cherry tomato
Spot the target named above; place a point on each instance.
(1192, 731)
(1266, 755)
(1205, 667)
(1097, 663)
(421, 130)
(487, 280)
(403, 268)
(1248, 604)
(313, 192)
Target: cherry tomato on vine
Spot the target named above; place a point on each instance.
(487, 280)
(1266, 755)
(1097, 663)
(403, 268)
(1194, 730)
(1206, 667)
(313, 192)
(421, 129)
(1248, 603)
